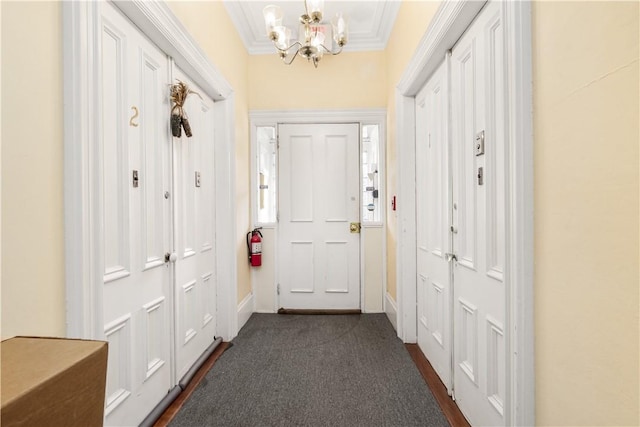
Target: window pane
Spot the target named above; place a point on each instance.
(266, 174)
(370, 173)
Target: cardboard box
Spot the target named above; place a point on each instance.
(52, 382)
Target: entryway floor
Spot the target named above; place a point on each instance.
(315, 370)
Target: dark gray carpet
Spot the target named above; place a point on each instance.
(294, 370)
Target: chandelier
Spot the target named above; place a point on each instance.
(312, 35)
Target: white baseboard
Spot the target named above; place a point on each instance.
(391, 308)
(245, 310)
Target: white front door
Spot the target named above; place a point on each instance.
(136, 172)
(195, 290)
(318, 256)
(433, 210)
(480, 165)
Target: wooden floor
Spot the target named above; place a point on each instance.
(449, 408)
(173, 409)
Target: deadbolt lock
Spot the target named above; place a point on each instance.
(354, 227)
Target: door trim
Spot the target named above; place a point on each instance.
(451, 20)
(83, 239)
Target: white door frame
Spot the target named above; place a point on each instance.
(451, 20)
(82, 182)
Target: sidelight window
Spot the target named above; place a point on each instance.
(371, 174)
(266, 206)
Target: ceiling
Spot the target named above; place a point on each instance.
(370, 22)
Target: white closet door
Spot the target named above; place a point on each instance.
(433, 204)
(136, 219)
(195, 288)
(479, 194)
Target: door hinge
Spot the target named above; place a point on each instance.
(278, 216)
(278, 288)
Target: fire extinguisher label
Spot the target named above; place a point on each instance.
(256, 248)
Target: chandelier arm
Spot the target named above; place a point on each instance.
(330, 51)
(287, 48)
(292, 58)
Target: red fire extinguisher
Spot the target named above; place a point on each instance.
(254, 245)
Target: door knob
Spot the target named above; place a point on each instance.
(450, 257)
(170, 257)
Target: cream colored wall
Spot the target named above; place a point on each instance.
(33, 289)
(350, 80)
(585, 79)
(373, 238)
(411, 23)
(209, 23)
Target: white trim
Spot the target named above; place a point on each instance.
(245, 310)
(82, 183)
(451, 20)
(157, 21)
(84, 301)
(406, 223)
(364, 115)
(225, 208)
(521, 341)
(391, 310)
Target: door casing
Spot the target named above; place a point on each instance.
(449, 23)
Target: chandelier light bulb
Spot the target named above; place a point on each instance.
(317, 40)
(340, 25)
(272, 19)
(315, 9)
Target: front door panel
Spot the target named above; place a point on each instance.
(319, 257)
